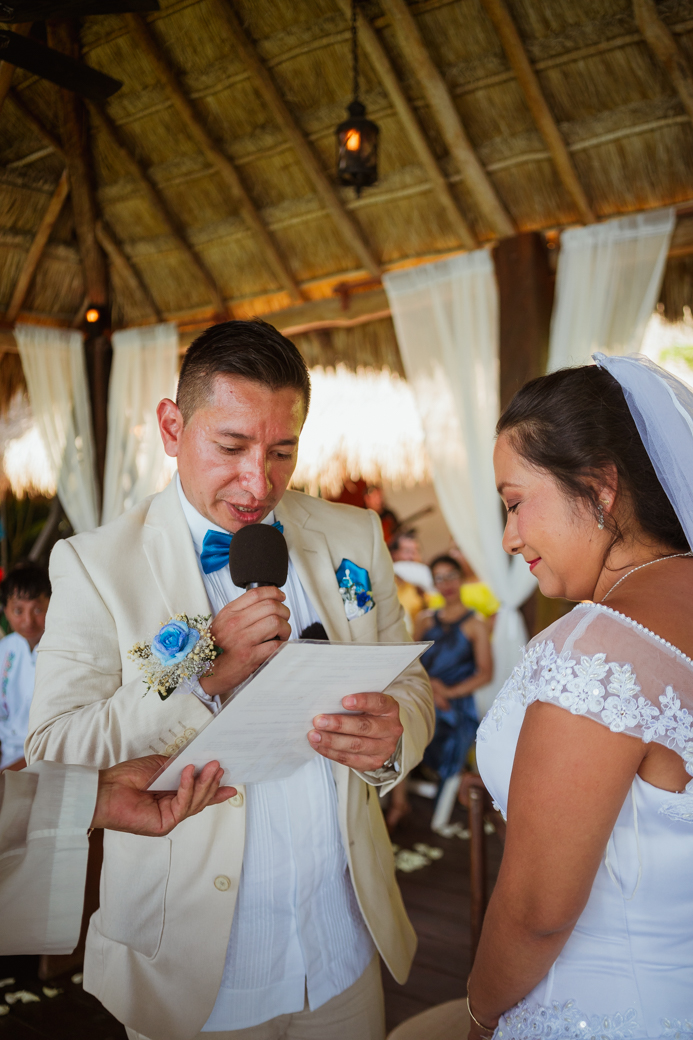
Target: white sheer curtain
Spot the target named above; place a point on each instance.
(607, 285)
(446, 320)
(145, 369)
(53, 363)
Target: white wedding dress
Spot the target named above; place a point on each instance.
(627, 968)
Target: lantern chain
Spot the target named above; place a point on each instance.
(355, 46)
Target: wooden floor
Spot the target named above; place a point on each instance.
(436, 897)
(437, 901)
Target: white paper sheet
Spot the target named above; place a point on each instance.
(261, 733)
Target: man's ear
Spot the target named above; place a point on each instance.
(170, 425)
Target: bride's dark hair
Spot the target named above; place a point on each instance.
(575, 423)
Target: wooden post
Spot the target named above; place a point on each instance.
(477, 865)
(74, 126)
(73, 131)
(525, 287)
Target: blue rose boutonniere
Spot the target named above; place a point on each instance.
(183, 648)
(174, 641)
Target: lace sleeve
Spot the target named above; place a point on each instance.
(602, 665)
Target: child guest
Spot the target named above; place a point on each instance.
(24, 594)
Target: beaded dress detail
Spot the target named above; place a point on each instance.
(626, 971)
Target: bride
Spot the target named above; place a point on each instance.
(588, 749)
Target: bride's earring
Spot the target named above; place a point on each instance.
(600, 517)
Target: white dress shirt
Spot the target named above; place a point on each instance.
(17, 673)
(297, 928)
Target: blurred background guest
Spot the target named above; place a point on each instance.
(24, 594)
(474, 594)
(413, 578)
(458, 663)
(374, 499)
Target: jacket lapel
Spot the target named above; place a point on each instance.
(311, 557)
(169, 549)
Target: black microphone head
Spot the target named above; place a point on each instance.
(258, 555)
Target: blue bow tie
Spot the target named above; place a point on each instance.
(215, 549)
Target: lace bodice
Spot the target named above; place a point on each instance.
(599, 663)
(627, 969)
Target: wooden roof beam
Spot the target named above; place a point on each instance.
(267, 88)
(73, 124)
(660, 39)
(385, 71)
(499, 14)
(35, 123)
(36, 248)
(443, 107)
(125, 269)
(157, 203)
(7, 70)
(142, 33)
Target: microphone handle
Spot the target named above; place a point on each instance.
(262, 585)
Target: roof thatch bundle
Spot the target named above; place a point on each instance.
(230, 205)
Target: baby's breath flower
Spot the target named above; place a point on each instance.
(184, 648)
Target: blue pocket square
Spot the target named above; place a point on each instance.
(354, 588)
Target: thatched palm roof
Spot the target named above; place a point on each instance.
(183, 238)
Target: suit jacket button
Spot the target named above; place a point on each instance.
(170, 749)
(222, 883)
(237, 800)
(190, 732)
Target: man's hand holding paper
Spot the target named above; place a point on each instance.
(364, 742)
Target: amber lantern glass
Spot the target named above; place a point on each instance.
(357, 149)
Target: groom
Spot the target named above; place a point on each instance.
(261, 917)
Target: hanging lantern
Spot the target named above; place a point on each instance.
(357, 137)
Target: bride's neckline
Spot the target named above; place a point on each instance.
(641, 628)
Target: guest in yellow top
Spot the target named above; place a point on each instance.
(474, 594)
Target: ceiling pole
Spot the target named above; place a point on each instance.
(158, 204)
(143, 35)
(385, 72)
(7, 70)
(265, 85)
(536, 102)
(125, 269)
(35, 123)
(36, 248)
(443, 107)
(660, 39)
(73, 130)
(74, 127)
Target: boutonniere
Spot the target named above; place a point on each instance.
(355, 589)
(183, 648)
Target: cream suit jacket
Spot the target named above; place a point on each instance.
(156, 947)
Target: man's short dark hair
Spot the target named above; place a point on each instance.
(252, 349)
(27, 581)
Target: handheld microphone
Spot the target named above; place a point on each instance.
(258, 556)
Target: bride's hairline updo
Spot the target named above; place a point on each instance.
(574, 424)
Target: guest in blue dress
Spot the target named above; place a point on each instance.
(458, 663)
